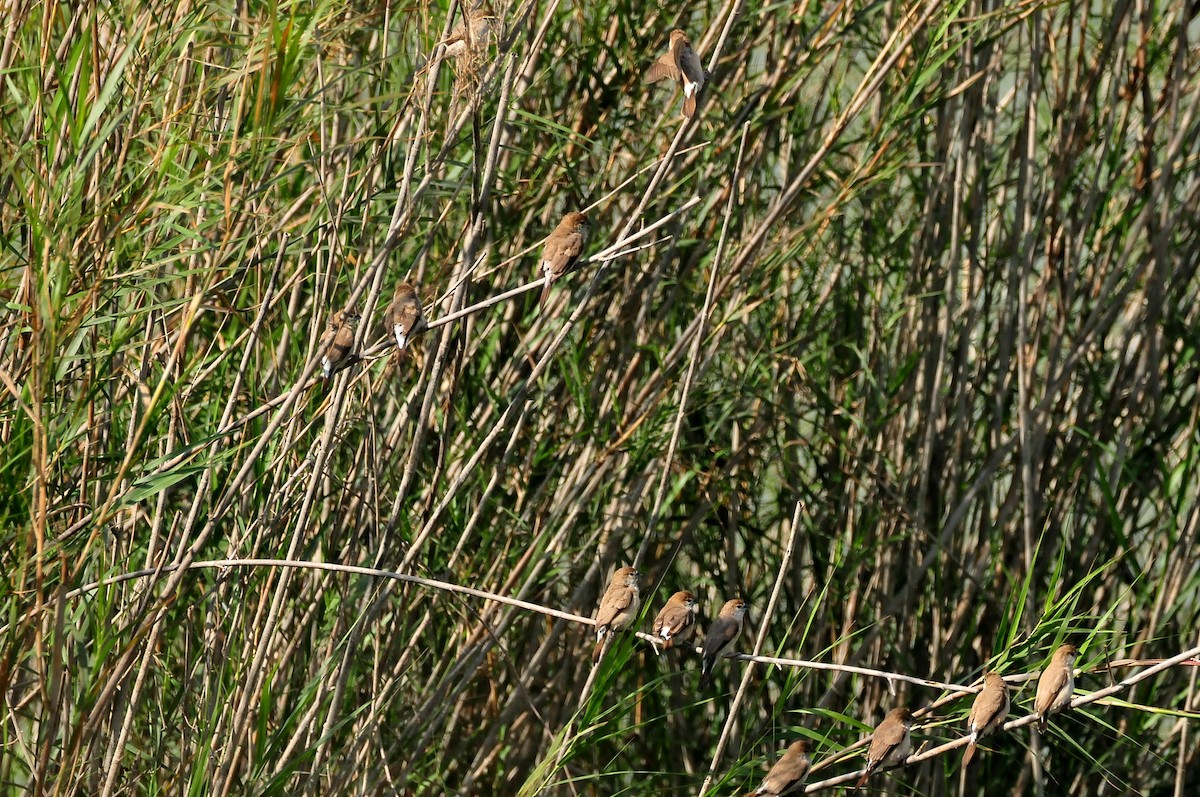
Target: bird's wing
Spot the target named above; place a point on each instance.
(663, 68)
(722, 632)
(976, 712)
(331, 330)
(785, 775)
(614, 602)
(563, 253)
(479, 26)
(406, 316)
(624, 598)
(345, 336)
(886, 739)
(671, 620)
(988, 707)
(339, 339)
(663, 619)
(457, 33)
(1050, 685)
(693, 69)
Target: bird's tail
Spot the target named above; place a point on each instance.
(601, 642)
(967, 756)
(1044, 722)
(705, 673)
(689, 106)
(545, 291)
(863, 780)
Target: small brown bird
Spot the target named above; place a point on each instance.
(721, 635)
(788, 774)
(403, 317)
(337, 341)
(618, 606)
(676, 620)
(1056, 684)
(988, 712)
(470, 34)
(682, 64)
(890, 744)
(562, 249)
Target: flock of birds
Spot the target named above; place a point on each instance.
(404, 317)
(891, 742)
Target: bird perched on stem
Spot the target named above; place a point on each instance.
(676, 620)
(338, 341)
(723, 632)
(788, 774)
(403, 317)
(890, 744)
(680, 63)
(988, 712)
(1056, 684)
(562, 249)
(470, 34)
(618, 606)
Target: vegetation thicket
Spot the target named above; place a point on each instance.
(907, 360)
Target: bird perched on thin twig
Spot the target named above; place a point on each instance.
(470, 34)
(676, 620)
(788, 774)
(680, 63)
(618, 606)
(987, 712)
(1056, 684)
(338, 341)
(403, 317)
(723, 632)
(562, 249)
(890, 744)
